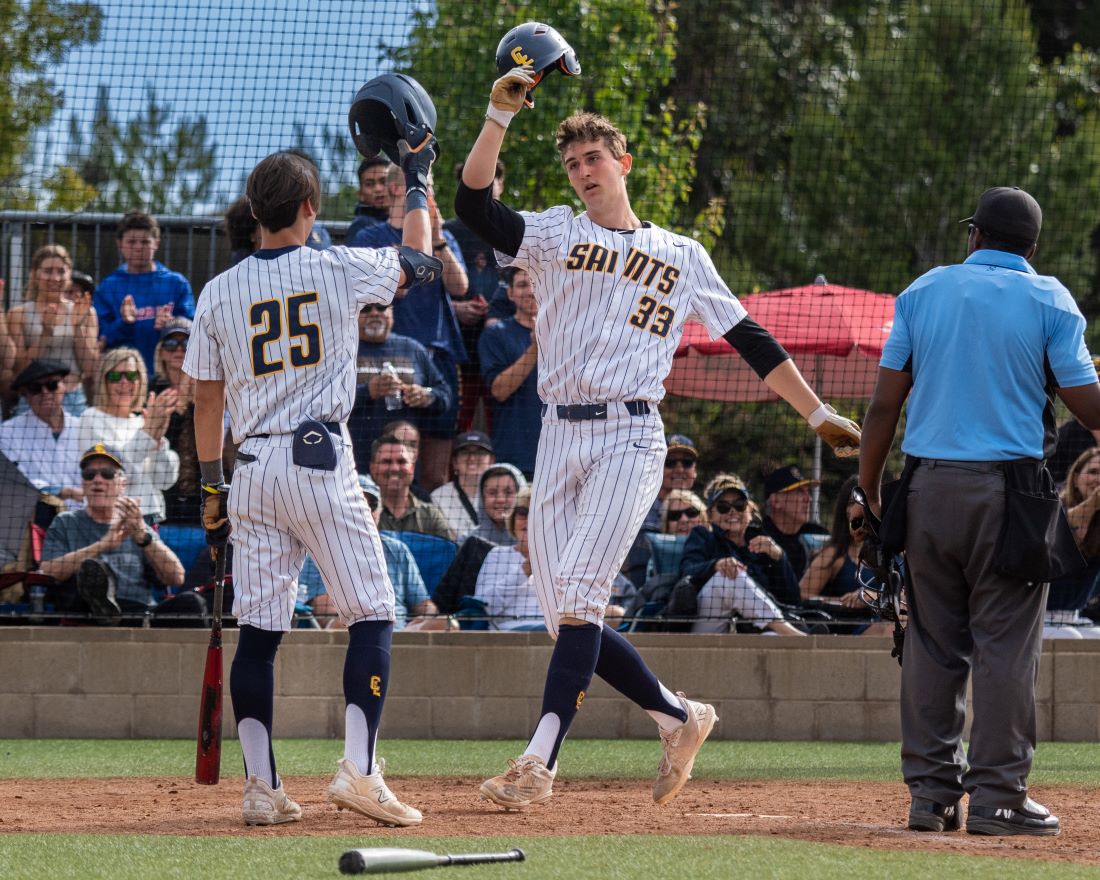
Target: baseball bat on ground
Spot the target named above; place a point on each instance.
(384, 860)
(208, 757)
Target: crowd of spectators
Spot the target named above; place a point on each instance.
(445, 430)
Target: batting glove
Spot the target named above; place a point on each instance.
(214, 511)
(509, 94)
(417, 161)
(840, 433)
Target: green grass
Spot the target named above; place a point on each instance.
(47, 857)
(1055, 763)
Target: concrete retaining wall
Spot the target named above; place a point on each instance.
(87, 682)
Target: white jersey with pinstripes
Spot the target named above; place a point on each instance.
(612, 305)
(281, 330)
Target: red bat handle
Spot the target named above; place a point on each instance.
(209, 747)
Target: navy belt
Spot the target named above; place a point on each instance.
(585, 412)
(333, 428)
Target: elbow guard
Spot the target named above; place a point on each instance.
(419, 268)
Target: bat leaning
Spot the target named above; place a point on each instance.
(386, 860)
(208, 755)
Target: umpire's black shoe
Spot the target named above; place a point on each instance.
(926, 815)
(96, 586)
(1030, 818)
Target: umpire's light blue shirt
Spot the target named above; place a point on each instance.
(979, 336)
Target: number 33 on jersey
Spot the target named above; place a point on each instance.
(623, 298)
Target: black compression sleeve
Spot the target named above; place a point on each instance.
(756, 345)
(495, 222)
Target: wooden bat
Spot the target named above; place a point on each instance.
(208, 757)
(384, 860)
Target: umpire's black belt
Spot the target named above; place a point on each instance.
(586, 412)
(982, 467)
(333, 428)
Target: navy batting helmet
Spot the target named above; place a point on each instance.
(389, 108)
(539, 46)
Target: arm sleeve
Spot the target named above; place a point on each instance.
(711, 303)
(111, 326)
(698, 559)
(493, 221)
(441, 391)
(1067, 353)
(203, 358)
(490, 352)
(897, 352)
(372, 272)
(58, 540)
(185, 300)
(756, 345)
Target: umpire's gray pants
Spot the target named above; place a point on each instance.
(966, 619)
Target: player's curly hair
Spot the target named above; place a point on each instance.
(240, 224)
(585, 127)
(278, 186)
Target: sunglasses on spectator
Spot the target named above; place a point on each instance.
(34, 388)
(171, 343)
(856, 524)
(677, 515)
(90, 473)
(740, 505)
(679, 462)
(375, 308)
(520, 511)
(372, 502)
(114, 376)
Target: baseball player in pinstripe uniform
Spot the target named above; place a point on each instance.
(613, 294)
(275, 338)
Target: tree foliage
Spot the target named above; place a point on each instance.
(35, 35)
(336, 158)
(150, 162)
(627, 50)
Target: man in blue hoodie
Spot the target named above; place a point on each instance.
(141, 295)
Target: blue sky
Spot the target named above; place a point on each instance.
(251, 68)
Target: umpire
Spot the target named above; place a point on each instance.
(983, 346)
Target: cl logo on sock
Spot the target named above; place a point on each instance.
(376, 687)
(580, 699)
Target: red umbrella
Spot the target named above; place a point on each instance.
(835, 334)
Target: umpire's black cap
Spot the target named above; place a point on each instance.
(1008, 213)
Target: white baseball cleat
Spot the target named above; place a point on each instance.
(680, 748)
(264, 805)
(526, 782)
(370, 795)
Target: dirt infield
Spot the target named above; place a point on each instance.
(861, 814)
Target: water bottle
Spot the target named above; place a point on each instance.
(393, 399)
(37, 594)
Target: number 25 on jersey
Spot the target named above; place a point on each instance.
(267, 316)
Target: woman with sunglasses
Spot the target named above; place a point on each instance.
(135, 423)
(832, 574)
(52, 325)
(182, 499)
(683, 511)
(740, 575)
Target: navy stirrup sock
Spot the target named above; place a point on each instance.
(622, 667)
(366, 678)
(568, 678)
(252, 683)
